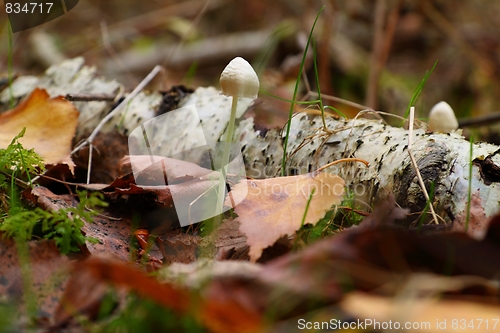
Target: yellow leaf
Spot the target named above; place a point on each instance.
(423, 315)
(50, 126)
(272, 208)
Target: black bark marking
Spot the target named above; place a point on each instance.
(380, 163)
(490, 172)
(432, 166)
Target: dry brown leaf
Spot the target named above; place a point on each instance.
(48, 273)
(218, 312)
(177, 246)
(50, 126)
(426, 315)
(275, 207)
(156, 170)
(369, 257)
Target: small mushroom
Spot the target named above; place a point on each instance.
(237, 80)
(442, 118)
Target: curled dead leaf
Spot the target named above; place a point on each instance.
(50, 126)
(275, 207)
(154, 170)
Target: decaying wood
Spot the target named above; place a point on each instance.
(443, 159)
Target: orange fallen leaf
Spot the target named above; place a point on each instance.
(50, 126)
(275, 207)
(218, 312)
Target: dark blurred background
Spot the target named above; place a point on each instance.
(370, 52)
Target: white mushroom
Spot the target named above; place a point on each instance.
(442, 118)
(237, 80)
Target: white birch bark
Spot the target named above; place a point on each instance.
(443, 159)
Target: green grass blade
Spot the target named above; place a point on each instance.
(191, 73)
(316, 76)
(292, 105)
(427, 204)
(336, 111)
(419, 89)
(308, 204)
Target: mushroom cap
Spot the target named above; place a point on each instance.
(442, 118)
(239, 79)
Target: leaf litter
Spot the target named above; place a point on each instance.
(324, 274)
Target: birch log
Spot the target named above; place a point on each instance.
(443, 159)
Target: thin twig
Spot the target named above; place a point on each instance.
(18, 181)
(392, 22)
(340, 100)
(357, 211)
(62, 181)
(377, 53)
(89, 167)
(379, 113)
(415, 166)
(343, 160)
(488, 120)
(120, 106)
(89, 97)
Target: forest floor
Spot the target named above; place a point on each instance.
(115, 225)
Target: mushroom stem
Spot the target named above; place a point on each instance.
(225, 156)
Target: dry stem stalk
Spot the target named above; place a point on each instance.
(415, 166)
